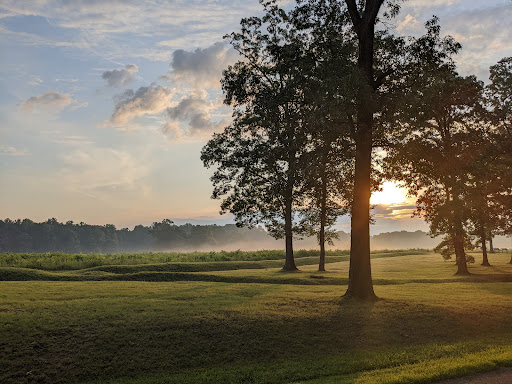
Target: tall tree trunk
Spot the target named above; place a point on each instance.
(360, 276)
(321, 264)
(360, 284)
(289, 264)
(323, 218)
(460, 255)
(491, 248)
(485, 261)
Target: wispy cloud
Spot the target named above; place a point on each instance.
(483, 28)
(98, 172)
(6, 150)
(35, 80)
(103, 26)
(75, 141)
(51, 101)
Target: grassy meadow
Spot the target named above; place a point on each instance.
(236, 318)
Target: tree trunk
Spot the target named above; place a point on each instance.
(360, 276)
(485, 261)
(321, 264)
(491, 248)
(360, 284)
(460, 255)
(323, 219)
(289, 264)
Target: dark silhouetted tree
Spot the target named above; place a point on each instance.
(436, 151)
(258, 158)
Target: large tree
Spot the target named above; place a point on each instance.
(364, 17)
(498, 95)
(355, 71)
(258, 157)
(437, 151)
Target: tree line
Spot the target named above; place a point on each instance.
(328, 102)
(52, 236)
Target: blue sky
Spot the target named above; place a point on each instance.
(105, 105)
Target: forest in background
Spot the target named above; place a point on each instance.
(53, 236)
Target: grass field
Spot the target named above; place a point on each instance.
(245, 321)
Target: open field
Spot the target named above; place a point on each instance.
(238, 321)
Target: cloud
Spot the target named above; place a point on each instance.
(117, 29)
(98, 171)
(431, 3)
(393, 211)
(35, 80)
(120, 77)
(409, 25)
(481, 27)
(172, 130)
(201, 68)
(486, 37)
(11, 151)
(145, 101)
(196, 110)
(74, 140)
(51, 100)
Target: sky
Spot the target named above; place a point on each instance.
(105, 105)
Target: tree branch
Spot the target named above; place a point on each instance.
(380, 79)
(354, 14)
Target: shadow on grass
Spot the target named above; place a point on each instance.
(280, 277)
(286, 339)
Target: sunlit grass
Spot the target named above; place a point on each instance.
(428, 325)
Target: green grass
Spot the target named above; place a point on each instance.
(256, 325)
(57, 261)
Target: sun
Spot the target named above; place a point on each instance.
(391, 194)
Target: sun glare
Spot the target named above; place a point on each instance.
(390, 194)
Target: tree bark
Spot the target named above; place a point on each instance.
(491, 248)
(323, 218)
(485, 261)
(289, 264)
(460, 255)
(321, 264)
(360, 284)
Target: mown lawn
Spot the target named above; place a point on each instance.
(257, 325)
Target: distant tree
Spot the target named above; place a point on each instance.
(167, 234)
(111, 243)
